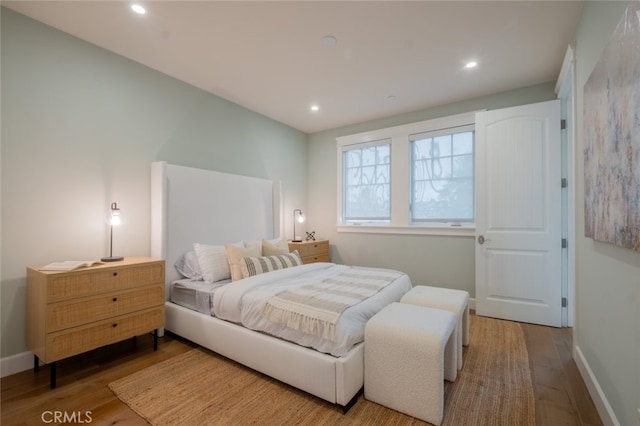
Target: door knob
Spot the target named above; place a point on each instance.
(482, 239)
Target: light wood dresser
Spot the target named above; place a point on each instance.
(312, 251)
(71, 312)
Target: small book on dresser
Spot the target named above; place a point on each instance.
(69, 265)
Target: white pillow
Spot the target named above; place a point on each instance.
(259, 265)
(274, 247)
(188, 266)
(251, 243)
(213, 262)
(235, 255)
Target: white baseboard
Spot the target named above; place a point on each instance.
(607, 415)
(16, 363)
(472, 303)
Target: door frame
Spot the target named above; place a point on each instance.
(566, 91)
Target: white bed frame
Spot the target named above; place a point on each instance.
(191, 205)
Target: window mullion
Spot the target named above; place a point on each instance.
(400, 180)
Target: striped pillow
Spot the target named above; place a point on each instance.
(259, 265)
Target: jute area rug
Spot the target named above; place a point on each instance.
(202, 388)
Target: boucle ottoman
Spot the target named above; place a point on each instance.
(456, 301)
(409, 351)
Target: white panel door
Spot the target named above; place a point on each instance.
(519, 214)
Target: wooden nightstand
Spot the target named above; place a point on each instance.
(76, 311)
(312, 251)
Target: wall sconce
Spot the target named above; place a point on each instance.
(113, 219)
(298, 216)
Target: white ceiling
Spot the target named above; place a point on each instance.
(390, 57)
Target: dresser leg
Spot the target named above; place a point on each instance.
(52, 368)
(155, 339)
(36, 363)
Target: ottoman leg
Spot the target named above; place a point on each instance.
(465, 326)
(451, 358)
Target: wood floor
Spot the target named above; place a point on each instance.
(561, 395)
(82, 393)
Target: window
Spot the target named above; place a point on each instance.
(442, 176)
(367, 183)
(414, 178)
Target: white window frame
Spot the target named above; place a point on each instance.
(401, 178)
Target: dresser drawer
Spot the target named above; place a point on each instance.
(79, 284)
(73, 341)
(67, 314)
(63, 286)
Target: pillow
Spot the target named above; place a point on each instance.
(274, 247)
(188, 266)
(235, 255)
(213, 262)
(259, 265)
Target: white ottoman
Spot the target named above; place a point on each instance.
(456, 301)
(409, 351)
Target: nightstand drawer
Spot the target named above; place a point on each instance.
(81, 339)
(316, 258)
(313, 248)
(79, 284)
(311, 251)
(82, 311)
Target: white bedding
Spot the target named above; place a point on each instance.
(195, 295)
(243, 300)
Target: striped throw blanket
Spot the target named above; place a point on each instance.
(316, 308)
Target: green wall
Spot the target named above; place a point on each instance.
(607, 331)
(80, 128)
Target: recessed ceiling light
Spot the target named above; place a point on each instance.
(329, 40)
(138, 9)
(315, 108)
(471, 64)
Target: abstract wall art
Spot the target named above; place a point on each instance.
(612, 138)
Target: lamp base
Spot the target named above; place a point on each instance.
(112, 259)
(296, 241)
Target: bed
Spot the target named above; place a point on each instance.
(186, 209)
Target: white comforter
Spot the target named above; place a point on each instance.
(242, 302)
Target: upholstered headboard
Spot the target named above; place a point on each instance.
(190, 205)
